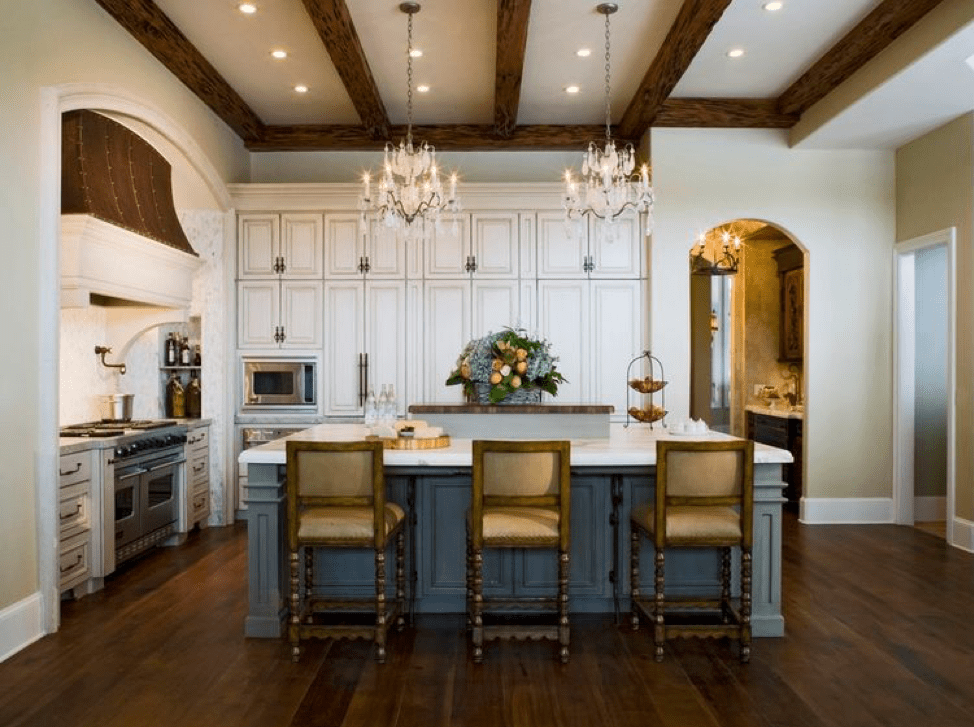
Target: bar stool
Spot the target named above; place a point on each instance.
(520, 498)
(704, 499)
(336, 498)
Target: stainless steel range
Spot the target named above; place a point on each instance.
(150, 469)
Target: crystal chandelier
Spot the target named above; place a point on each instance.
(409, 189)
(708, 257)
(608, 187)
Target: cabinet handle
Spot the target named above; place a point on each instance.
(199, 469)
(77, 561)
(363, 377)
(77, 511)
(70, 472)
(283, 336)
(473, 263)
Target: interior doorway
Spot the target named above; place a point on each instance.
(924, 382)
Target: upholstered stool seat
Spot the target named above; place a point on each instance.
(704, 499)
(520, 498)
(336, 499)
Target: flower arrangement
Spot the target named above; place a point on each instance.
(508, 363)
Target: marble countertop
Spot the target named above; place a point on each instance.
(511, 409)
(782, 412)
(626, 446)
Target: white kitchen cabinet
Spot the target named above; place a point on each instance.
(483, 245)
(279, 314)
(365, 343)
(448, 249)
(590, 248)
(349, 253)
(562, 248)
(447, 329)
(197, 477)
(75, 515)
(272, 245)
(495, 304)
(563, 319)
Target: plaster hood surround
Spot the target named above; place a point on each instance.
(121, 242)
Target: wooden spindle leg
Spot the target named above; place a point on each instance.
(563, 630)
(295, 619)
(634, 576)
(745, 605)
(380, 606)
(659, 628)
(401, 579)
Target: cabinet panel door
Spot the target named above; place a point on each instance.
(301, 314)
(385, 305)
(344, 341)
(258, 313)
(257, 245)
(414, 343)
(386, 252)
(615, 248)
(495, 306)
(529, 248)
(561, 248)
(494, 243)
(447, 249)
(343, 245)
(563, 319)
(301, 245)
(529, 305)
(615, 340)
(447, 331)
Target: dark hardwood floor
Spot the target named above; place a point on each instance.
(880, 633)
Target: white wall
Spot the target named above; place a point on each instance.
(839, 206)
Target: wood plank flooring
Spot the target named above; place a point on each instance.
(879, 634)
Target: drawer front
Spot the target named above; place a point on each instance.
(74, 562)
(74, 468)
(74, 510)
(199, 470)
(200, 506)
(198, 439)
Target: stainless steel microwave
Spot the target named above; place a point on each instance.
(280, 383)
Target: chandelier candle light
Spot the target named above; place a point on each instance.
(608, 186)
(723, 259)
(409, 189)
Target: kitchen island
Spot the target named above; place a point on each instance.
(609, 476)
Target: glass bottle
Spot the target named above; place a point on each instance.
(184, 352)
(371, 413)
(194, 397)
(197, 356)
(382, 405)
(391, 408)
(171, 357)
(175, 397)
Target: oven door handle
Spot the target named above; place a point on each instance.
(129, 475)
(181, 460)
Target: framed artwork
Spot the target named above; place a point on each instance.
(791, 333)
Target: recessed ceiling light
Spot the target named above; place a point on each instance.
(247, 8)
(583, 52)
(279, 53)
(416, 53)
(773, 6)
(572, 89)
(300, 88)
(735, 52)
(422, 88)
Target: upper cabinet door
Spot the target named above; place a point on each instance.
(496, 306)
(615, 249)
(447, 325)
(562, 248)
(258, 246)
(343, 245)
(494, 244)
(258, 313)
(448, 249)
(386, 253)
(301, 245)
(563, 319)
(301, 314)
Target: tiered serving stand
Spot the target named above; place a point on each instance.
(649, 385)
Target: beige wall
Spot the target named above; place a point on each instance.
(47, 43)
(934, 191)
(839, 206)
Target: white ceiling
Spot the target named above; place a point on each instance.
(458, 41)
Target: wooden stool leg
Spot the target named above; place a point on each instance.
(294, 628)
(380, 606)
(401, 580)
(469, 580)
(745, 605)
(309, 580)
(725, 584)
(478, 604)
(563, 630)
(659, 628)
(634, 576)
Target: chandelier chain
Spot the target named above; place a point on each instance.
(608, 105)
(409, 81)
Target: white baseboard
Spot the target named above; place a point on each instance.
(929, 509)
(962, 535)
(846, 510)
(20, 625)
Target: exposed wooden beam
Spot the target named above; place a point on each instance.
(454, 137)
(334, 24)
(512, 39)
(152, 28)
(724, 113)
(687, 34)
(876, 31)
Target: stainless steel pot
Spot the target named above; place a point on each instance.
(117, 407)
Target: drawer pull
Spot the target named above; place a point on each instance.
(199, 502)
(70, 472)
(77, 511)
(200, 468)
(78, 558)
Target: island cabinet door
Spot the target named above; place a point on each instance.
(536, 571)
(441, 540)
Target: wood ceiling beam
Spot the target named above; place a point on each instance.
(683, 41)
(874, 33)
(512, 39)
(153, 29)
(334, 25)
(452, 137)
(723, 113)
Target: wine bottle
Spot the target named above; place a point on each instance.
(184, 352)
(194, 397)
(171, 349)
